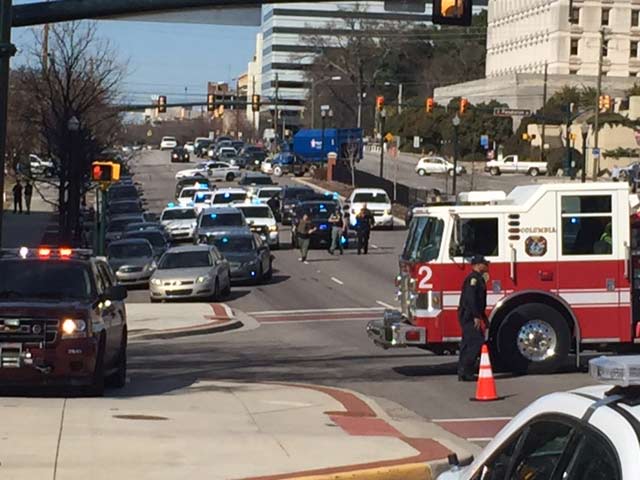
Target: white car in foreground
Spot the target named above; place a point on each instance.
(261, 221)
(585, 434)
(167, 143)
(430, 165)
(376, 200)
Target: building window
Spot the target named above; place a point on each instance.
(575, 16)
(573, 72)
(633, 49)
(605, 16)
(635, 18)
(574, 46)
(605, 48)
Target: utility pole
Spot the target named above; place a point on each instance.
(253, 92)
(399, 98)
(7, 50)
(596, 120)
(544, 112)
(383, 116)
(237, 109)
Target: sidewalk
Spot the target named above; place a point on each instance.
(28, 230)
(149, 321)
(216, 430)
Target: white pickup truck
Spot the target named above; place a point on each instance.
(510, 164)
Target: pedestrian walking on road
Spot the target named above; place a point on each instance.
(274, 205)
(304, 230)
(17, 197)
(472, 317)
(28, 193)
(364, 224)
(337, 226)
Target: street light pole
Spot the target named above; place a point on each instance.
(383, 116)
(7, 50)
(323, 115)
(456, 123)
(596, 123)
(585, 130)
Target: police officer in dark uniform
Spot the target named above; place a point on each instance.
(472, 317)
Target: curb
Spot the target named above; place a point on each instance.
(397, 220)
(204, 329)
(408, 471)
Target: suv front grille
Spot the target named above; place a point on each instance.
(28, 330)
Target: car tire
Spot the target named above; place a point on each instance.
(259, 277)
(494, 171)
(422, 172)
(229, 177)
(269, 274)
(96, 388)
(118, 379)
(539, 318)
(450, 172)
(277, 171)
(533, 172)
(215, 296)
(227, 289)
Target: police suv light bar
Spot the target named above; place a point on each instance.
(617, 370)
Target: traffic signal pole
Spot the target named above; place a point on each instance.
(7, 50)
(596, 120)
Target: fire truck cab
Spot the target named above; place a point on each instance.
(562, 259)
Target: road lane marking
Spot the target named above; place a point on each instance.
(386, 305)
(339, 282)
(375, 247)
(316, 310)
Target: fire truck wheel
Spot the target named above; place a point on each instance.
(96, 389)
(533, 338)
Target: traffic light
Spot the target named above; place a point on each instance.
(105, 172)
(428, 105)
(464, 104)
(379, 103)
(211, 102)
(255, 103)
(604, 103)
(452, 12)
(162, 104)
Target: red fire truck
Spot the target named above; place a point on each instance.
(562, 256)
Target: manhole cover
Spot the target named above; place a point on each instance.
(140, 417)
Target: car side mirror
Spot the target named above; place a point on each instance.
(116, 292)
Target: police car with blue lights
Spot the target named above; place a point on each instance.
(62, 320)
(592, 433)
(179, 221)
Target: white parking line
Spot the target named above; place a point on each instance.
(339, 282)
(385, 305)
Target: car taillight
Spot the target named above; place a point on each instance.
(65, 252)
(44, 252)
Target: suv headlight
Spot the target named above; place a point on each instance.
(156, 281)
(203, 279)
(387, 211)
(72, 327)
(273, 228)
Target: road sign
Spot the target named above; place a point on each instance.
(389, 137)
(511, 112)
(416, 142)
(595, 152)
(484, 141)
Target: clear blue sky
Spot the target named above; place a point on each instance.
(164, 58)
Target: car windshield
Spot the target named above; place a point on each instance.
(256, 212)
(201, 182)
(168, 139)
(317, 210)
(120, 224)
(292, 193)
(222, 220)
(424, 239)
(267, 193)
(173, 260)
(229, 197)
(154, 238)
(129, 250)
(373, 197)
(178, 214)
(188, 192)
(202, 197)
(234, 244)
(257, 180)
(48, 279)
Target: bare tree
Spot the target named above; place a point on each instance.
(80, 80)
(352, 156)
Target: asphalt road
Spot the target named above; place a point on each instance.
(310, 329)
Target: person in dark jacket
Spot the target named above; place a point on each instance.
(304, 229)
(472, 317)
(17, 197)
(274, 205)
(28, 193)
(364, 224)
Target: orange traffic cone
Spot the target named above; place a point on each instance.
(486, 386)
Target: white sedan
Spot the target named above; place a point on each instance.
(589, 433)
(223, 171)
(167, 143)
(199, 170)
(429, 165)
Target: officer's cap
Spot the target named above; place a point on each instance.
(477, 259)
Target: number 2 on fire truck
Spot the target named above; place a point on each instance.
(424, 275)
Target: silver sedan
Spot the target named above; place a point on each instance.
(192, 272)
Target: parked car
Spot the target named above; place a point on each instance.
(194, 272)
(511, 164)
(193, 181)
(38, 166)
(430, 165)
(123, 207)
(180, 222)
(118, 224)
(376, 200)
(189, 147)
(167, 143)
(201, 146)
(179, 154)
(158, 240)
(132, 260)
(122, 192)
